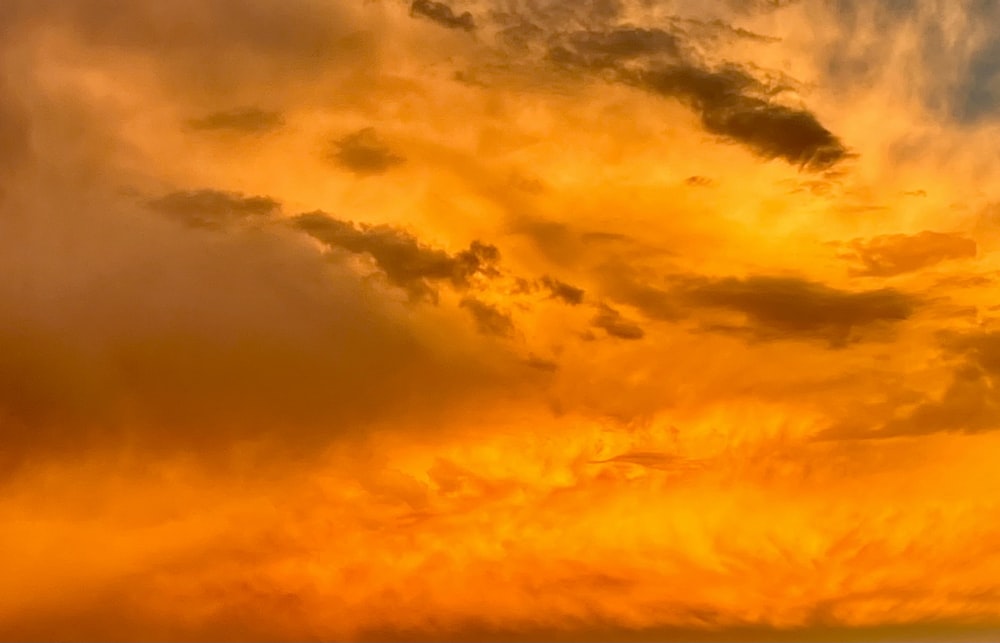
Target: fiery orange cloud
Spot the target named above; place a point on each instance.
(481, 320)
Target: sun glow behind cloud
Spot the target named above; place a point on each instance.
(483, 320)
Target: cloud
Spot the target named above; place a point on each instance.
(489, 319)
(563, 291)
(172, 341)
(625, 286)
(609, 49)
(215, 48)
(405, 262)
(614, 324)
(224, 403)
(364, 153)
(792, 308)
(541, 364)
(894, 254)
(978, 95)
(245, 119)
(214, 208)
(442, 14)
(769, 308)
(730, 101)
(732, 104)
(969, 403)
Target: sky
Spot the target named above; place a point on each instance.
(499, 320)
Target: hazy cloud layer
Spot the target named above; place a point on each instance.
(967, 404)
(211, 208)
(244, 119)
(889, 255)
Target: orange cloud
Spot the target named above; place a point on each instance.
(498, 321)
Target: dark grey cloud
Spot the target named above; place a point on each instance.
(214, 208)
(243, 119)
(888, 255)
(791, 308)
(771, 308)
(734, 105)
(563, 291)
(489, 319)
(614, 324)
(364, 153)
(730, 100)
(405, 261)
(442, 14)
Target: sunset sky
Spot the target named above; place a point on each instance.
(500, 320)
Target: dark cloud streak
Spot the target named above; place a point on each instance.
(405, 262)
(214, 208)
(723, 100)
(364, 153)
(489, 319)
(246, 119)
(790, 308)
(614, 324)
(442, 14)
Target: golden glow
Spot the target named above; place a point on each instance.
(566, 320)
